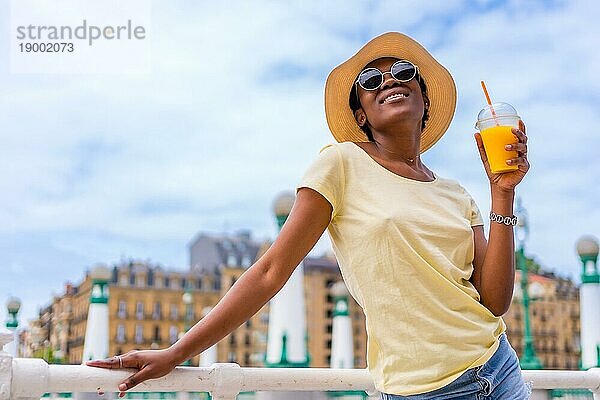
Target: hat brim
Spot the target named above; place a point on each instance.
(441, 89)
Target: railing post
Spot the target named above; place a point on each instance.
(540, 394)
(29, 378)
(595, 372)
(5, 365)
(228, 382)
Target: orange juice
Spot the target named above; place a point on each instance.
(494, 140)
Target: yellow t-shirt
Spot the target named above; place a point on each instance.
(405, 249)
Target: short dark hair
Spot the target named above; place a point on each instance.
(355, 105)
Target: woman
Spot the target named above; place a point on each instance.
(410, 244)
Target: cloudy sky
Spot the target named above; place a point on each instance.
(102, 167)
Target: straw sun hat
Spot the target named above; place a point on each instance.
(440, 88)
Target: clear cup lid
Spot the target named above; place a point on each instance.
(501, 109)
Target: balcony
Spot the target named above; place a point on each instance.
(76, 342)
(79, 318)
(120, 339)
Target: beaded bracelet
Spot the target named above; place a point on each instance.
(501, 219)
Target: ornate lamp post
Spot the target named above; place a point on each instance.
(208, 356)
(13, 305)
(96, 340)
(287, 339)
(529, 360)
(589, 299)
(187, 300)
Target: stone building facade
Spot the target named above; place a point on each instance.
(554, 317)
(146, 310)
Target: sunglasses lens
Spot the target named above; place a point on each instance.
(370, 79)
(403, 71)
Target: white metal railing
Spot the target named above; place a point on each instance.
(30, 378)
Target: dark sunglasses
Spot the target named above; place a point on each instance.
(372, 78)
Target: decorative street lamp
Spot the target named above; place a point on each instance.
(187, 300)
(589, 299)
(528, 360)
(95, 344)
(13, 305)
(209, 356)
(287, 338)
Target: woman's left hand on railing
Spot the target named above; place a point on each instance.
(150, 364)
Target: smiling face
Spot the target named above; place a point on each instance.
(393, 104)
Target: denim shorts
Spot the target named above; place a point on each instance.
(498, 379)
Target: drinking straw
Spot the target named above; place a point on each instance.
(489, 101)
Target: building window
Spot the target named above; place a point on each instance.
(122, 311)
(184, 283)
(264, 318)
(231, 357)
(249, 323)
(199, 284)
(246, 261)
(173, 333)
(174, 312)
(131, 279)
(150, 278)
(167, 282)
(139, 334)
(139, 310)
(328, 344)
(174, 283)
(231, 260)
(232, 340)
(123, 280)
(246, 359)
(156, 337)
(189, 312)
(247, 340)
(217, 283)
(156, 314)
(120, 333)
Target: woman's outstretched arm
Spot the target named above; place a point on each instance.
(306, 223)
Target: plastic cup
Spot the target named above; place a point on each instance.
(495, 128)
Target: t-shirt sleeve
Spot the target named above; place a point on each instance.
(326, 176)
(474, 213)
(476, 218)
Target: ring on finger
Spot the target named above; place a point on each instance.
(120, 361)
